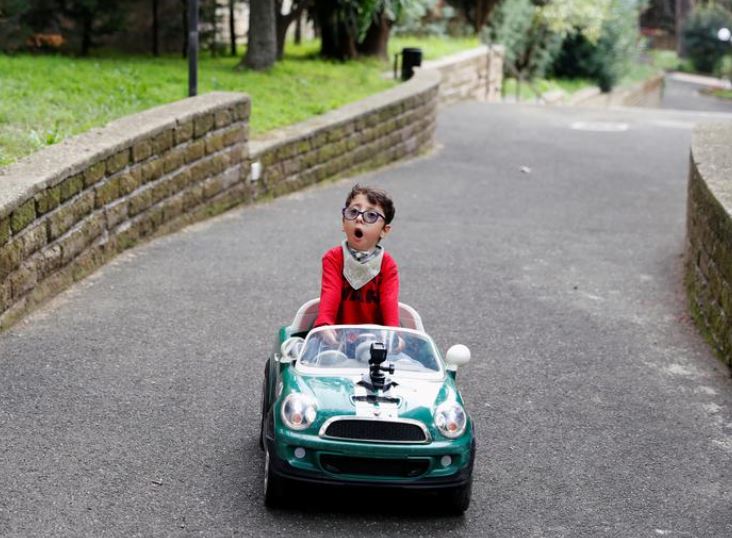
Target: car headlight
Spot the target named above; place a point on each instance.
(298, 411)
(450, 419)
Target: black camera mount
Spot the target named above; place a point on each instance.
(376, 379)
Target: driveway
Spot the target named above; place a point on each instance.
(549, 240)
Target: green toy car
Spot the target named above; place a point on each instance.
(365, 405)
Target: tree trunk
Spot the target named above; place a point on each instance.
(683, 8)
(184, 26)
(155, 28)
(483, 10)
(285, 20)
(86, 34)
(232, 27)
(336, 41)
(377, 38)
(298, 29)
(262, 43)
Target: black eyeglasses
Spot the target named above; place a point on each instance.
(369, 216)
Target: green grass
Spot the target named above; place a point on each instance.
(433, 47)
(48, 98)
(722, 94)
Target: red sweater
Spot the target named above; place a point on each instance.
(376, 302)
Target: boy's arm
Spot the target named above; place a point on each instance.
(330, 292)
(390, 293)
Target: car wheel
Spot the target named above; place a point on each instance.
(457, 500)
(274, 492)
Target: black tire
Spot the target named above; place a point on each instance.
(457, 500)
(274, 487)
(265, 407)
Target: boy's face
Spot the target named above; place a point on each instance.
(361, 235)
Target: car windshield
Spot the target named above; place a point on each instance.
(349, 348)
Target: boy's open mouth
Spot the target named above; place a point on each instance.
(358, 232)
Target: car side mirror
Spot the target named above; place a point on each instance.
(290, 349)
(457, 355)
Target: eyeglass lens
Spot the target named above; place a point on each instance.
(369, 217)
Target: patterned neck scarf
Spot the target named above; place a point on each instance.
(360, 267)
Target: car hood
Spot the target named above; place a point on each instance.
(409, 398)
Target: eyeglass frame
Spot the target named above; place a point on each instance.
(361, 214)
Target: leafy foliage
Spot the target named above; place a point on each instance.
(594, 39)
(530, 42)
(608, 58)
(700, 36)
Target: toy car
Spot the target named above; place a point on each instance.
(365, 405)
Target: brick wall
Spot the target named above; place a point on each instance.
(474, 74)
(380, 129)
(709, 235)
(71, 207)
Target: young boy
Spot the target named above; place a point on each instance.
(360, 282)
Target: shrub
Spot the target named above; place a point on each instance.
(610, 57)
(700, 36)
(530, 44)
(723, 68)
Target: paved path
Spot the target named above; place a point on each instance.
(682, 92)
(549, 240)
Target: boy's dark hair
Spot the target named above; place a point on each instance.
(376, 197)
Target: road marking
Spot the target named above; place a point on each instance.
(600, 126)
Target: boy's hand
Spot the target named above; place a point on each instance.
(328, 336)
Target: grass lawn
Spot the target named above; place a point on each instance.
(48, 98)
(722, 94)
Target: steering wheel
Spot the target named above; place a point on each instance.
(363, 345)
(331, 357)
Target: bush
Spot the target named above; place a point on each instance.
(530, 45)
(607, 60)
(700, 36)
(723, 69)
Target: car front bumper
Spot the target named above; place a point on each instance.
(307, 458)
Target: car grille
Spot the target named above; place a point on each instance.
(376, 431)
(405, 468)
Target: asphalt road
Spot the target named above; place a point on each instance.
(549, 240)
(684, 92)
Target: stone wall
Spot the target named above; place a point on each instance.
(709, 235)
(375, 131)
(71, 207)
(474, 74)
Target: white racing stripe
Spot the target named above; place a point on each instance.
(386, 410)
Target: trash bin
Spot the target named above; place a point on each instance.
(411, 58)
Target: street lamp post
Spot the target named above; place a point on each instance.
(192, 48)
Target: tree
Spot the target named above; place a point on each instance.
(575, 38)
(93, 18)
(476, 12)
(262, 43)
(13, 28)
(297, 7)
(232, 27)
(350, 28)
(155, 28)
(603, 56)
